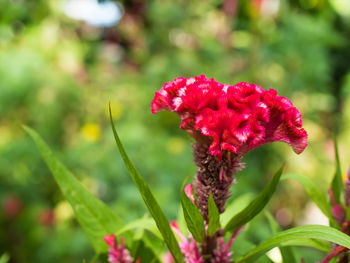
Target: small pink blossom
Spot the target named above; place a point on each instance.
(117, 254)
(188, 248)
(168, 258)
(235, 118)
(221, 252)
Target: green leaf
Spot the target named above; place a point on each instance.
(97, 219)
(242, 246)
(255, 206)
(314, 243)
(337, 182)
(302, 232)
(144, 224)
(142, 251)
(286, 252)
(237, 204)
(314, 193)
(213, 215)
(193, 218)
(4, 258)
(147, 196)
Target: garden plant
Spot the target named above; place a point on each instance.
(225, 122)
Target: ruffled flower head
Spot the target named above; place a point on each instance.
(235, 118)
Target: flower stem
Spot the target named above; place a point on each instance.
(214, 177)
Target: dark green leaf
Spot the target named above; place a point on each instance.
(337, 182)
(143, 252)
(147, 196)
(213, 215)
(302, 232)
(255, 206)
(193, 218)
(97, 219)
(314, 193)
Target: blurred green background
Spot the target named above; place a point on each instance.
(61, 62)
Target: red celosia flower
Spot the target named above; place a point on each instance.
(235, 118)
(117, 254)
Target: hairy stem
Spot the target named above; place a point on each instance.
(214, 177)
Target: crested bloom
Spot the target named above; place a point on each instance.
(117, 254)
(234, 118)
(227, 122)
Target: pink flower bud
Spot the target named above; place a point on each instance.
(337, 210)
(189, 192)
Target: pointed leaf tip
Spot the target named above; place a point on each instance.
(147, 196)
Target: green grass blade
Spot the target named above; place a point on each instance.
(96, 218)
(255, 206)
(337, 182)
(151, 203)
(311, 231)
(213, 215)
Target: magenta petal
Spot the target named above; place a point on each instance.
(110, 240)
(235, 118)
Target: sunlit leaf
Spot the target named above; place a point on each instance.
(151, 203)
(97, 219)
(4, 258)
(302, 232)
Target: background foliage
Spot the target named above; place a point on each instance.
(58, 75)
